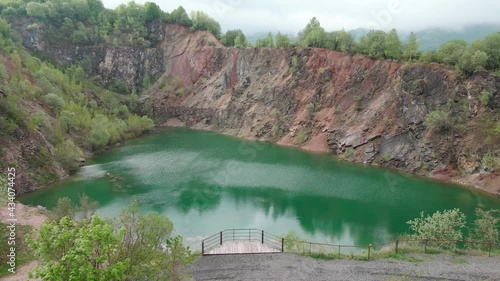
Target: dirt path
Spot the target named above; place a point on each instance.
(293, 267)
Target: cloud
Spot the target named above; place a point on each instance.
(292, 15)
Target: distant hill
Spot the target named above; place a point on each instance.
(259, 35)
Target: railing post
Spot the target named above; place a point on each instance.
(249, 235)
(233, 235)
(369, 250)
(282, 245)
(221, 237)
(339, 251)
(262, 237)
(310, 246)
(397, 244)
(491, 246)
(425, 245)
(202, 248)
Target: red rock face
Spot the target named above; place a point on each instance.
(362, 109)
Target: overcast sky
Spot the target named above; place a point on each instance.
(290, 16)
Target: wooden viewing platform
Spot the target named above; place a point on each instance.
(241, 241)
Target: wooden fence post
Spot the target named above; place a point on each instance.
(221, 237)
(369, 250)
(397, 244)
(282, 245)
(262, 236)
(202, 248)
(425, 245)
(491, 246)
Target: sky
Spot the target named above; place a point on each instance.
(290, 16)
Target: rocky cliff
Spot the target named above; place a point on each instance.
(361, 109)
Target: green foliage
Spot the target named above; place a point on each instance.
(68, 249)
(446, 225)
(438, 120)
(230, 38)
(99, 135)
(64, 208)
(348, 153)
(472, 61)
(387, 157)
(137, 125)
(486, 226)
(266, 42)
(485, 98)
(393, 47)
(410, 51)
(180, 16)
(282, 40)
(152, 11)
(69, 155)
(313, 35)
(55, 102)
(489, 162)
(202, 21)
(373, 43)
(300, 138)
(452, 51)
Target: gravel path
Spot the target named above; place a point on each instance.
(293, 267)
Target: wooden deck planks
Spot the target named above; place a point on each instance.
(242, 247)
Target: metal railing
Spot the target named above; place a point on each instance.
(240, 235)
(282, 244)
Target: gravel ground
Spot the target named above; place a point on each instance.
(293, 267)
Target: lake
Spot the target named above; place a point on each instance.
(207, 182)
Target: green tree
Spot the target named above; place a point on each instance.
(486, 226)
(472, 61)
(202, 21)
(411, 47)
(69, 155)
(282, 40)
(72, 251)
(491, 46)
(180, 16)
(230, 37)
(373, 43)
(446, 225)
(55, 102)
(393, 45)
(345, 42)
(152, 11)
(313, 35)
(37, 10)
(452, 51)
(240, 42)
(99, 135)
(266, 42)
(438, 120)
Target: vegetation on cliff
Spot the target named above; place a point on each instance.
(61, 110)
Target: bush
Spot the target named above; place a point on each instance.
(486, 226)
(137, 125)
(300, 137)
(446, 225)
(485, 98)
(55, 102)
(438, 120)
(69, 154)
(489, 162)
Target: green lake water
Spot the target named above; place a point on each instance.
(206, 182)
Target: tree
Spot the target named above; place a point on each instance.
(152, 11)
(202, 21)
(230, 37)
(37, 10)
(240, 41)
(472, 61)
(266, 42)
(69, 155)
(282, 40)
(55, 102)
(99, 135)
(373, 43)
(180, 16)
(486, 226)
(438, 120)
(452, 51)
(446, 225)
(491, 46)
(345, 42)
(393, 45)
(72, 251)
(411, 48)
(313, 35)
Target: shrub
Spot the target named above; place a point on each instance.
(489, 162)
(486, 226)
(300, 137)
(446, 225)
(348, 153)
(69, 154)
(485, 98)
(438, 120)
(55, 102)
